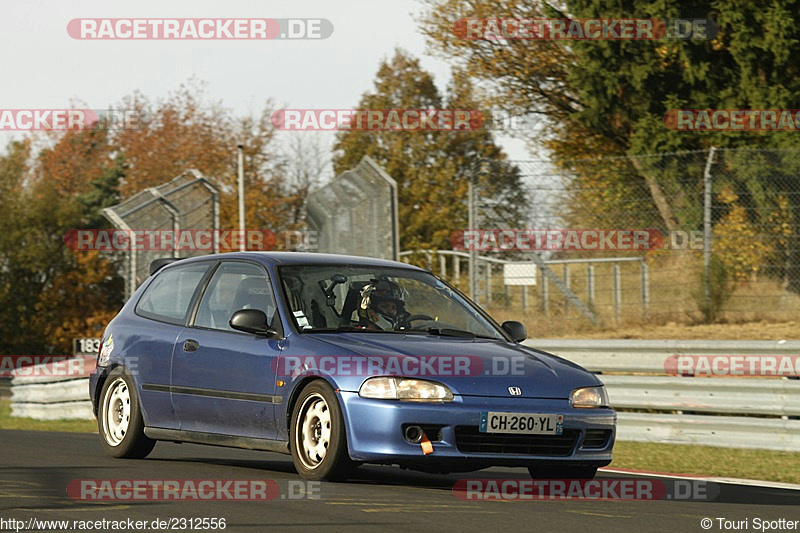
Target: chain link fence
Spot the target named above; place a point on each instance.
(356, 213)
(190, 201)
(722, 241)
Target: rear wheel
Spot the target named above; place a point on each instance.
(318, 441)
(119, 418)
(562, 472)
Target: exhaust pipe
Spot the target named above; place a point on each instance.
(413, 434)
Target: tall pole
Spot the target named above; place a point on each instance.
(707, 230)
(473, 253)
(242, 241)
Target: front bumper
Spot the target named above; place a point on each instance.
(375, 431)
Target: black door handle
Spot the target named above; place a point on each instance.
(191, 345)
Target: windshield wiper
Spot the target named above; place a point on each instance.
(347, 329)
(450, 332)
(447, 332)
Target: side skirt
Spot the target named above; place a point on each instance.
(213, 439)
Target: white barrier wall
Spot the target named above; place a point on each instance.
(734, 411)
(55, 391)
(739, 412)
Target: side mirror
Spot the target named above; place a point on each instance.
(252, 321)
(516, 330)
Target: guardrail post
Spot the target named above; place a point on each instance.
(442, 266)
(566, 282)
(617, 288)
(456, 268)
(590, 284)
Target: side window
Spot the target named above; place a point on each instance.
(235, 286)
(169, 295)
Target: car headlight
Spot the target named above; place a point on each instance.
(420, 390)
(589, 397)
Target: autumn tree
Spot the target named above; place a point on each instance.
(49, 293)
(53, 293)
(431, 167)
(609, 98)
(185, 131)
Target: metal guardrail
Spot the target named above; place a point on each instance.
(737, 412)
(718, 411)
(45, 395)
(725, 431)
(771, 397)
(649, 356)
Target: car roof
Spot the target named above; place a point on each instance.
(304, 258)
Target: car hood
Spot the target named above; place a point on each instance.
(488, 367)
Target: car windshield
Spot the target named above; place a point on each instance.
(331, 298)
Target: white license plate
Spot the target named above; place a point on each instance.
(526, 423)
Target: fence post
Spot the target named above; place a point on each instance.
(590, 284)
(545, 295)
(488, 282)
(566, 282)
(617, 288)
(707, 230)
(471, 222)
(645, 289)
(442, 265)
(524, 289)
(456, 268)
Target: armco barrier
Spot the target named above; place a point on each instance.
(737, 412)
(648, 356)
(38, 392)
(746, 412)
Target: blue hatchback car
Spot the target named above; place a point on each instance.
(339, 361)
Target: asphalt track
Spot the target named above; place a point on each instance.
(37, 467)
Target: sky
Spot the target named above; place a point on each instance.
(43, 67)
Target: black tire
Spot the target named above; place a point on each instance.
(562, 472)
(335, 463)
(130, 443)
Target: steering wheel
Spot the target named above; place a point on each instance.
(419, 317)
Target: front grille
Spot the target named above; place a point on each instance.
(596, 438)
(470, 440)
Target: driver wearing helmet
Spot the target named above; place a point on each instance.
(382, 305)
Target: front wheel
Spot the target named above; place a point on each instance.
(318, 441)
(562, 472)
(119, 418)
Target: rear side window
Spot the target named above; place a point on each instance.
(169, 295)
